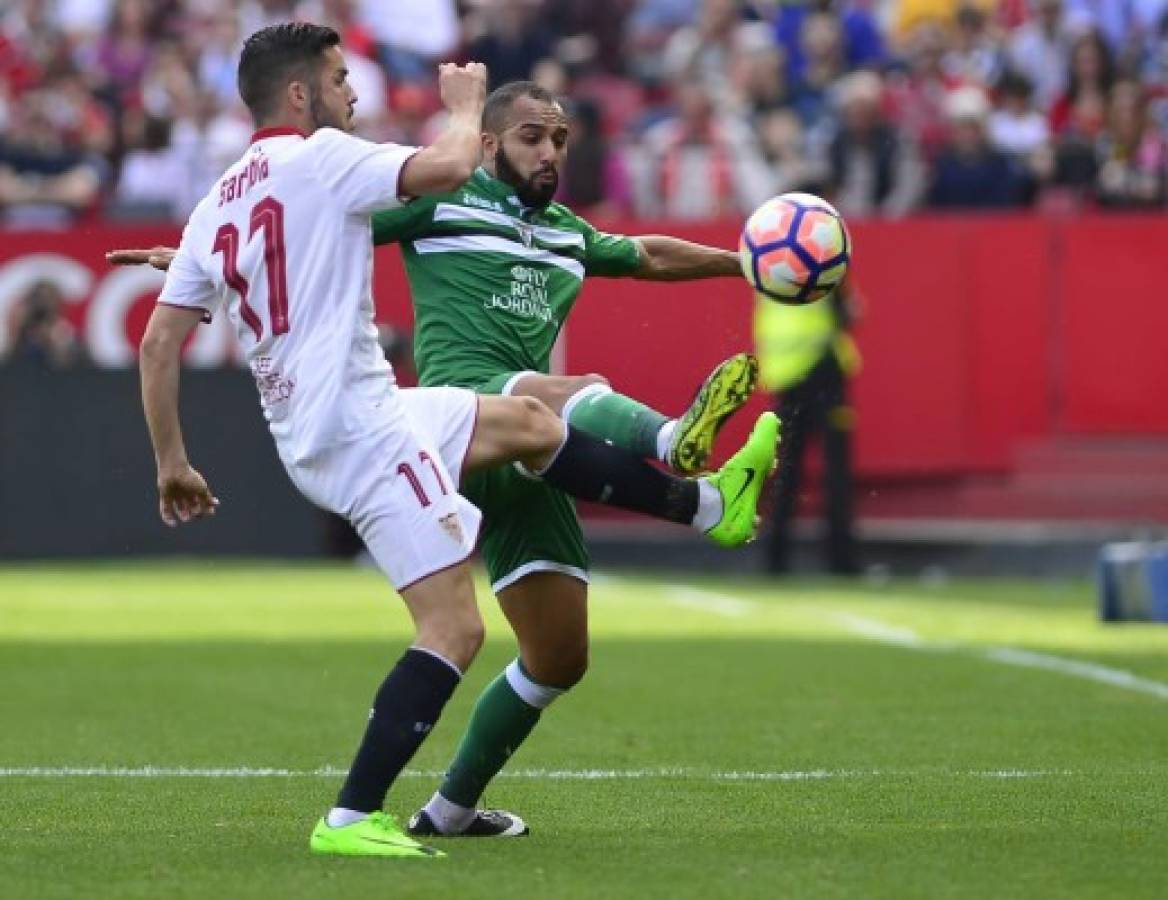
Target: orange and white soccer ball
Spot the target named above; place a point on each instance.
(795, 248)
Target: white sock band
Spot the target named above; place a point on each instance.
(710, 510)
(664, 439)
(585, 393)
(339, 817)
(438, 656)
(538, 695)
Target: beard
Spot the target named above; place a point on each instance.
(531, 193)
(322, 116)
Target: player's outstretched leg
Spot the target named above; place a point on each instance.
(723, 393)
(721, 506)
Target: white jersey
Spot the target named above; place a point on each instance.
(283, 240)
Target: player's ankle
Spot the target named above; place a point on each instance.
(339, 817)
(710, 506)
(448, 816)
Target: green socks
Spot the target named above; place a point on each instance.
(615, 418)
(501, 720)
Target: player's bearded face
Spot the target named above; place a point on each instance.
(530, 152)
(537, 189)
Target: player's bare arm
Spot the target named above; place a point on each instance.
(183, 493)
(452, 158)
(666, 258)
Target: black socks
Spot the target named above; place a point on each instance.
(405, 709)
(594, 470)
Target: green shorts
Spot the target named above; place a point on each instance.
(527, 526)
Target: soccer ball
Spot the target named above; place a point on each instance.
(795, 248)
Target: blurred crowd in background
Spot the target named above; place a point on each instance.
(681, 109)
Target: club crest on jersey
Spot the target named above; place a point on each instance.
(526, 233)
(451, 526)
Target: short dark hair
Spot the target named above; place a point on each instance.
(500, 99)
(276, 55)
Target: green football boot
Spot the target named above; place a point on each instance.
(378, 835)
(740, 483)
(722, 394)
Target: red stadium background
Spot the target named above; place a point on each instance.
(983, 338)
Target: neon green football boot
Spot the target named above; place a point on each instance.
(722, 394)
(740, 483)
(378, 835)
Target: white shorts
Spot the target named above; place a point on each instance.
(398, 485)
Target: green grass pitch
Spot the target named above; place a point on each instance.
(734, 738)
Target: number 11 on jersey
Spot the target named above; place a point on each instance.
(267, 215)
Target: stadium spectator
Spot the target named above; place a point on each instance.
(650, 27)
(595, 27)
(150, 173)
(974, 55)
(92, 63)
(40, 334)
(699, 164)
(822, 43)
(917, 97)
(1133, 156)
(219, 53)
(874, 168)
(1125, 24)
(1021, 132)
(706, 51)
(45, 180)
(758, 78)
(785, 146)
(1090, 75)
(208, 139)
(863, 42)
(514, 40)
(1040, 49)
(120, 58)
(1015, 126)
(169, 88)
(417, 35)
(595, 180)
(970, 172)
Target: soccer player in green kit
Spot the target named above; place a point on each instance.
(494, 270)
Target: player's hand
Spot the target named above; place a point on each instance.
(159, 257)
(183, 495)
(463, 88)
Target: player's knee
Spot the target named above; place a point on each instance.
(563, 668)
(458, 638)
(543, 427)
(592, 378)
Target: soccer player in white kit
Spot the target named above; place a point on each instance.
(282, 242)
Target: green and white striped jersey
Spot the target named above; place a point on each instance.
(492, 282)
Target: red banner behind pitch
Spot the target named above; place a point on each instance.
(977, 333)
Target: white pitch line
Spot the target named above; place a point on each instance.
(525, 774)
(1091, 671)
(880, 631)
(710, 602)
(875, 630)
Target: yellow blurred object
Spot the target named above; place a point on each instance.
(911, 13)
(790, 340)
(848, 354)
